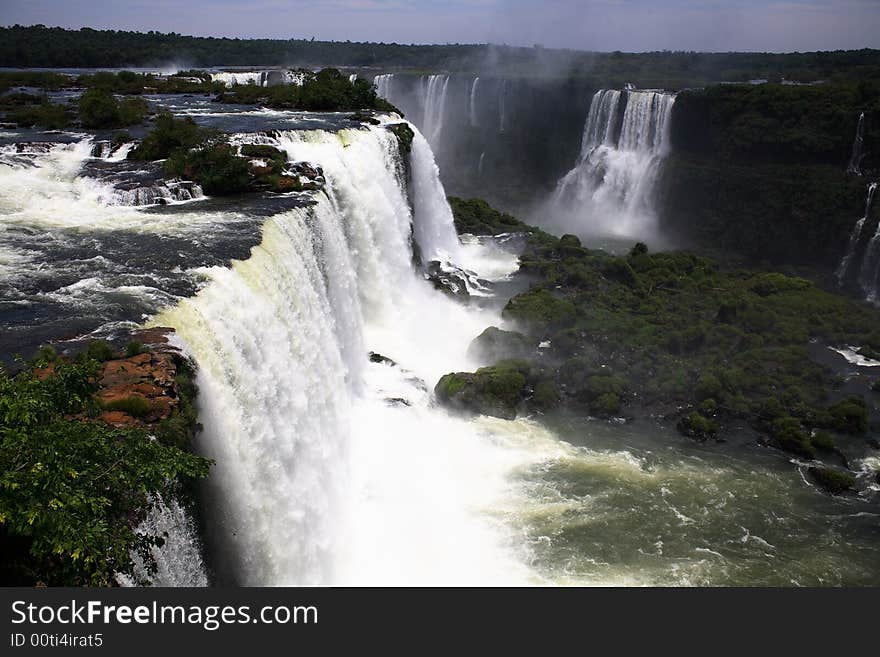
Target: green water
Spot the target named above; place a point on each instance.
(639, 505)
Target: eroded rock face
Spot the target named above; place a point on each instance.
(138, 390)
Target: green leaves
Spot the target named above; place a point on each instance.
(73, 490)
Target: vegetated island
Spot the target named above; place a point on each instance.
(673, 336)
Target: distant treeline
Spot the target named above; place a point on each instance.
(41, 46)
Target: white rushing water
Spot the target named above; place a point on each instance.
(472, 102)
(435, 89)
(383, 85)
(855, 160)
(259, 78)
(179, 560)
(857, 253)
(332, 468)
(609, 190)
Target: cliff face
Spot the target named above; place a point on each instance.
(762, 171)
(503, 138)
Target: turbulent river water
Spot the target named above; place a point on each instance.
(335, 469)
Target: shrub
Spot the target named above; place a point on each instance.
(694, 425)
(168, 136)
(100, 350)
(134, 405)
(72, 491)
(540, 309)
(45, 115)
(134, 348)
(833, 481)
(849, 415)
(788, 435)
(215, 166)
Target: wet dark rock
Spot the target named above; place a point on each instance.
(831, 480)
(495, 344)
(379, 358)
(453, 280)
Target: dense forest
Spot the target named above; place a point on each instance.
(41, 46)
(761, 171)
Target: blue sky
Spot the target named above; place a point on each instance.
(630, 25)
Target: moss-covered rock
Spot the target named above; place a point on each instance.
(831, 480)
(405, 136)
(539, 310)
(495, 344)
(696, 426)
(497, 390)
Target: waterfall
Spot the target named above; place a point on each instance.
(472, 103)
(855, 238)
(855, 161)
(610, 188)
(322, 476)
(260, 78)
(179, 560)
(435, 88)
(383, 85)
(502, 107)
(161, 193)
(232, 79)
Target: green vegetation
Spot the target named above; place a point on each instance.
(215, 166)
(72, 489)
(171, 135)
(135, 348)
(498, 390)
(100, 351)
(134, 405)
(96, 109)
(405, 136)
(100, 109)
(206, 157)
(675, 335)
(44, 114)
(39, 45)
(833, 481)
(759, 171)
(326, 91)
(178, 429)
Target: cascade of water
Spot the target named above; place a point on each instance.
(609, 190)
(179, 560)
(855, 160)
(312, 460)
(435, 88)
(869, 272)
(502, 107)
(383, 85)
(233, 79)
(472, 102)
(846, 262)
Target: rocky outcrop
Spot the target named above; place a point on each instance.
(453, 280)
(138, 390)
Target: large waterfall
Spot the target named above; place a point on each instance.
(332, 468)
(860, 264)
(609, 190)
